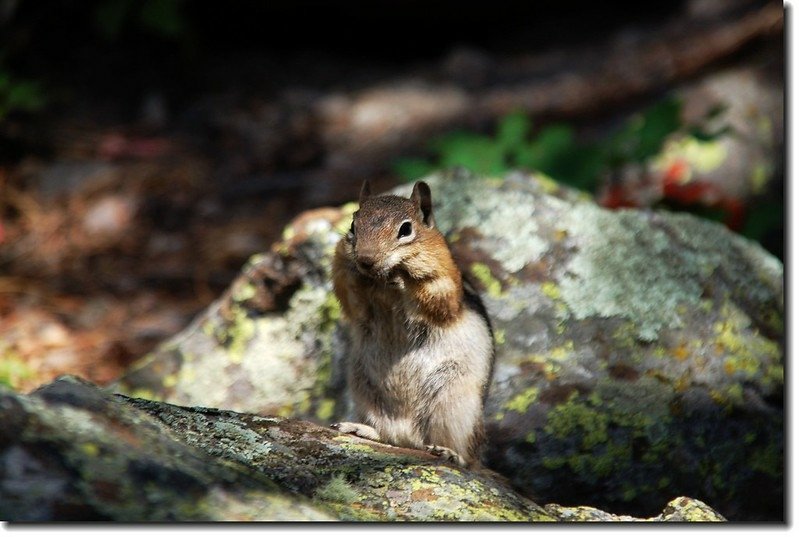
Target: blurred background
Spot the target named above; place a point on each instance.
(149, 147)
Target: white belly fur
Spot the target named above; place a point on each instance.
(427, 392)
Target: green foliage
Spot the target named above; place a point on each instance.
(554, 150)
(479, 153)
(13, 369)
(17, 95)
(412, 168)
(762, 219)
(643, 135)
(161, 17)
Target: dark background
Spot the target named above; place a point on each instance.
(156, 145)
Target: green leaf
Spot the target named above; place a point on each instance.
(513, 131)
(643, 135)
(480, 154)
(660, 120)
(546, 148)
(411, 169)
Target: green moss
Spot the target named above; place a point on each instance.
(775, 375)
(330, 312)
(240, 331)
(553, 462)
(735, 394)
(235, 334)
(576, 419)
(337, 490)
(642, 406)
(629, 492)
(769, 460)
(482, 272)
(522, 401)
(349, 443)
(613, 457)
(327, 315)
(748, 353)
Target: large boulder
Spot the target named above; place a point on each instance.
(71, 451)
(640, 354)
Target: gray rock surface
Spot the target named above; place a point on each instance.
(71, 451)
(640, 354)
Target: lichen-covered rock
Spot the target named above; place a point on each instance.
(678, 510)
(640, 354)
(71, 451)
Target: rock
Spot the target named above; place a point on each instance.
(640, 354)
(71, 451)
(678, 510)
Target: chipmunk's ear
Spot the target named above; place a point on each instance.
(366, 191)
(422, 198)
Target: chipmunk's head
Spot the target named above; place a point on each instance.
(390, 234)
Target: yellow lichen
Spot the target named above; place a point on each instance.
(482, 272)
(89, 449)
(499, 336)
(325, 409)
(551, 290)
(522, 401)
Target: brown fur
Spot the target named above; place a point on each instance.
(421, 358)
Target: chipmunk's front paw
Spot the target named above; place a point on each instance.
(358, 429)
(446, 454)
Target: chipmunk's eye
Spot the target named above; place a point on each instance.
(352, 228)
(405, 230)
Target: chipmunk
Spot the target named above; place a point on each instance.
(422, 344)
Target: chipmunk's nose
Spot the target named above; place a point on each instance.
(366, 261)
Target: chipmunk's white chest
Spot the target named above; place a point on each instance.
(400, 357)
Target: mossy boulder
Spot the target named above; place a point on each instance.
(640, 353)
(71, 451)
